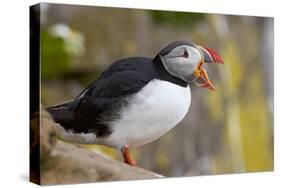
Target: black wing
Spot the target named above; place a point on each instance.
(102, 100)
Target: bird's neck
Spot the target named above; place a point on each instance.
(163, 74)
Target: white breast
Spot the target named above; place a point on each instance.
(152, 112)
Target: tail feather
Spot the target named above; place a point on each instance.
(62, 113)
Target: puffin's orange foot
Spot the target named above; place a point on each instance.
(127, 156)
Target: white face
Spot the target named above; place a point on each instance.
(182, 61)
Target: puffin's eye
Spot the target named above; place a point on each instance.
(185, 54)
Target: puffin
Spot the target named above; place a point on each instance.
(136, 100)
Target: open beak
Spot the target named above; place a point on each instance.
(208, 56)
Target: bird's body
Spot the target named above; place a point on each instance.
(136, 100)
(120, 106)
(140, 123)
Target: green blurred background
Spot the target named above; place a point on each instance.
(226, 131)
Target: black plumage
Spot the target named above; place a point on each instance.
(175, 44)
(100, 103)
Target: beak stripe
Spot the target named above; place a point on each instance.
(215, 56)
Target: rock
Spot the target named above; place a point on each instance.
(48, 135)
(65, 163)
(73, 164)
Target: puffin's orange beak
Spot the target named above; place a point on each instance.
(203, 80)
(208, 56)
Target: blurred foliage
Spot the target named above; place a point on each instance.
(248, 133)
(55, 60)
(176, 18)
(229, 130)
(60, 45)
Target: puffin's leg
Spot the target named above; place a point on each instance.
(127, 156)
